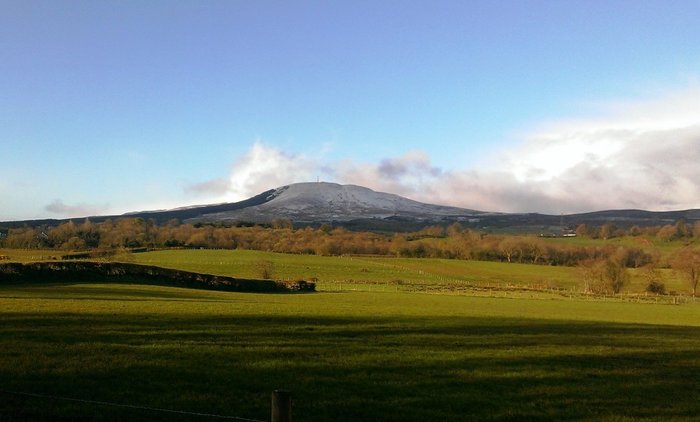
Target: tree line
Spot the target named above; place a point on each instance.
(667, 232)
(604, 266)
(452, 242)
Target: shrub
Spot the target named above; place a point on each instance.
(265, 269)
(656, 287)
(604, 276)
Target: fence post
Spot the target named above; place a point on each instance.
(281, 406)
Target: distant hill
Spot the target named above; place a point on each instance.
(160, 216)
(325, 202)
(360, 208)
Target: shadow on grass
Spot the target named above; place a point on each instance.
(127, 292)
(349, 368)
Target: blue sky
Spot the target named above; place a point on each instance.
(550, 106)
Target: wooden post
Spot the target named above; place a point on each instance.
(281, 406)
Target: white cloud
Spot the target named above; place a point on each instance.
(633, 155)
(215, 187)
(264, 167)
(640, 155)
(261, 168)
(77, 210)
(667, 111)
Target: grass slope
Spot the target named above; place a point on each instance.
(423, 273)
(346, 356)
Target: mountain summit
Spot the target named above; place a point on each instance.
(321, 201)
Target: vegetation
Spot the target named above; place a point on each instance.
(330, 272)
(607, 276)
(404, 274)
(653, 277)
(687, 262)
(117, 272)
(265, 269)
(453, 242)
(383, 273)
(378, 350)
(344, 356)
(656, 287)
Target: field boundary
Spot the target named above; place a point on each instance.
(127, 406)
(89, 271)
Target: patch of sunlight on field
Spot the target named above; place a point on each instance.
(425, 274)
(30, 255)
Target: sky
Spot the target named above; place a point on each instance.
(556, 107)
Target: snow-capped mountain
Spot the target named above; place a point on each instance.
(360, 208)
(321, 201)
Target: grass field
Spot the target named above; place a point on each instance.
(385, 352)
(413, 273)
(29, 255)
(379, 273)
(345, 356)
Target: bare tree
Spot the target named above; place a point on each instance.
(687, 262)
(607, 276)
(265, 269)
(510, 247)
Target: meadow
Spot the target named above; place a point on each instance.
(345, 356)
(384, 274)
(375, 349)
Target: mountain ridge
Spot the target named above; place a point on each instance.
(358, 207)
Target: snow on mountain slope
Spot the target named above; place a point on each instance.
(322, 201)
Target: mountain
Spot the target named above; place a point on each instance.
(325, 202)
(160, 216)
(360, 208)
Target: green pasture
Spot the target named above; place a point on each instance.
(648, 243)
(383, 274)
(30, 255)
(346, 356)
(407, 273)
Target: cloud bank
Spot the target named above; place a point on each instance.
(77, 210)
(634, 155)
(637, 155)
(260, 169)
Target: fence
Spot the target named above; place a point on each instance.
(281, 406)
